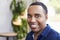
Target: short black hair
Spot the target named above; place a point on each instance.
(41, 4)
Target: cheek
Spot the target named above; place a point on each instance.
(41, 23)
(28, 20)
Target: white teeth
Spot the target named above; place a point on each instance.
(33, 25)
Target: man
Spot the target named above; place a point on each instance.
(37, 17)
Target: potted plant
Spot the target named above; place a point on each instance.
(19, 23)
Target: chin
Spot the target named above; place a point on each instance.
(34, 30)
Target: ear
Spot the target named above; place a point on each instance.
(46, 16)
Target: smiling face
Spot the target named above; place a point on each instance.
(36, 18)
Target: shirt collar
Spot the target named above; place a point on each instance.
(46, 31)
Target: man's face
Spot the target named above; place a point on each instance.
(36, 18)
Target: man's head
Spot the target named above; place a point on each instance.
(37, 16)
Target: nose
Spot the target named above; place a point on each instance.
(33, 19)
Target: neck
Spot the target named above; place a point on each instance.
(37, 33)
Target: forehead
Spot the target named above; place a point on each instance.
(35, 9)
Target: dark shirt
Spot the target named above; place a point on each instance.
(47, 34)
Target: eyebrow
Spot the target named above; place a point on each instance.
(34, 14)
(28, 14)
(37, 14)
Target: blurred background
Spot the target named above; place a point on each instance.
(6, 15)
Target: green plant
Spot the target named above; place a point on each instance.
(21, 30)
(17, 8)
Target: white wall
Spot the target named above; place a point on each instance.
(5, 17)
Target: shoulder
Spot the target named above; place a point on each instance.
(58, 37)
(54, 34)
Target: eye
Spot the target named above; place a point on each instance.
(37, 15)
(29, 16)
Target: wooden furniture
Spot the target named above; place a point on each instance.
(7, 35)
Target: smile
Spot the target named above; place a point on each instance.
(33, 26)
